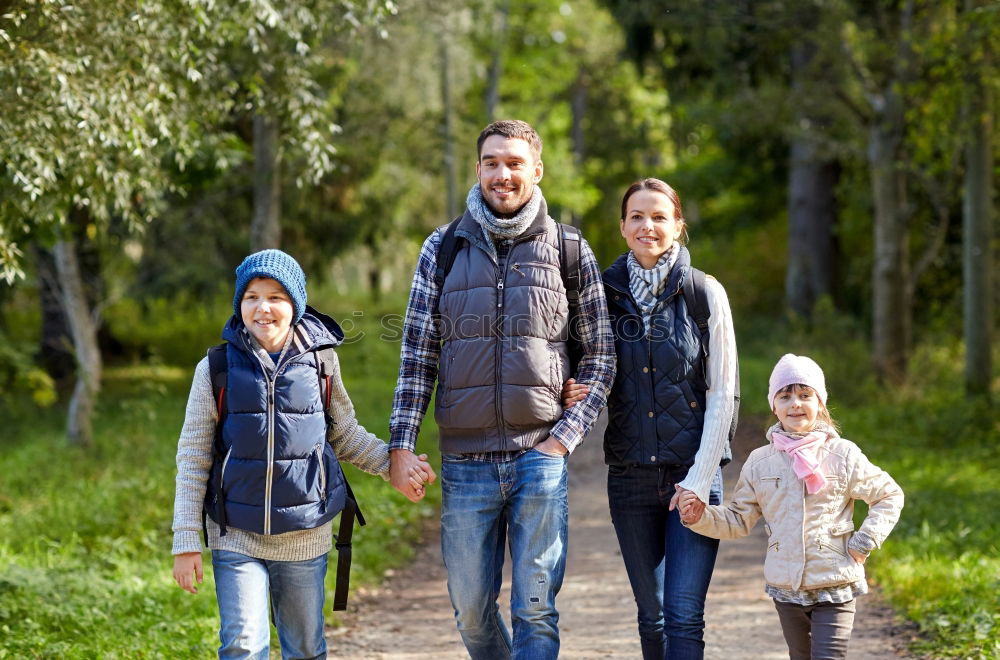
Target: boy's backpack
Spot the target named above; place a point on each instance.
(325, 361)
(697, 304)
(569, 268)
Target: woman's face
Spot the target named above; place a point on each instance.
(650, 226)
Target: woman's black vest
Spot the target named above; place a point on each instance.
(656, 408)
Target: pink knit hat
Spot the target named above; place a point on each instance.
(796, 370)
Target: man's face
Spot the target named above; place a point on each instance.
(507, 173)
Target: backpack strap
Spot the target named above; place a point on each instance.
(343, 545)
(218, 367)
(447, 252)
(326, 360)
(569, 266)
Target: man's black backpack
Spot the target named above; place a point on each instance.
(569, 267)
(325, 362)
(697, 304)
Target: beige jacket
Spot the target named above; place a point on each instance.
(808, 534)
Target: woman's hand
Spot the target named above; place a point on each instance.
(186, 565)
(690, 508)
(573, 392)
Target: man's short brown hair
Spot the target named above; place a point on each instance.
(511, 129)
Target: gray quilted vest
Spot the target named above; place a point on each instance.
(504, 358)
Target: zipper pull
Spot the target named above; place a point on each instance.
(517, 268)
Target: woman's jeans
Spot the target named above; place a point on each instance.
(483, 506)
(242, 586)
(668, 565)
(816, 632)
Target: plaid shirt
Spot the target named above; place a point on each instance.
(418, 365)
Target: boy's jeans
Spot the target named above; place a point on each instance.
(482, 504)
(668, 565)
(242, 585)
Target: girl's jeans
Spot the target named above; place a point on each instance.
(242, 586)
(816, 632)
(668, 565)
(482, 506)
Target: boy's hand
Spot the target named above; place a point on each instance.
(186, 565)
(573, 392)
(408, 473)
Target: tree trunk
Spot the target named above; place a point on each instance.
(265, 228)
(977, 242)
(83, 330)
(499, 38)
(451, 176)
(54, 345)
(890, 272)
(812, 205)
(812, 215)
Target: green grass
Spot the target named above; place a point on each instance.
(941, 565)
(85, 564)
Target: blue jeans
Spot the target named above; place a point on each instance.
(242, 586)
(668, 565)
(482, 504)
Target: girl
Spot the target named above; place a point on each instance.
(266, 488)
(804, 482)
(669, 415)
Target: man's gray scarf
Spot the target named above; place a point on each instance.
(494, 227)
(647, 284)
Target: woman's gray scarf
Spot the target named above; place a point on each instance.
(494, 227)
(647, 284)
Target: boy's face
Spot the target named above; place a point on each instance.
(267, 312)
(797, 408)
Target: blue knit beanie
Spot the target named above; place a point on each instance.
(278, 266)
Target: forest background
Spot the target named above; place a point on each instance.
(835, 159)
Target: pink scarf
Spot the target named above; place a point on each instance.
(804, 460)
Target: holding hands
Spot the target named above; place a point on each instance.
(691, 508)
(408, 473)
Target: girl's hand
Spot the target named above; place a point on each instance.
(573, 392)
(858, 557)
(688, 505)
(185, 565)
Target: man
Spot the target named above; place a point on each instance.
(493, 336)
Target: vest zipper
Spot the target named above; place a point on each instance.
(222, 474)
(322, 473)
(270, 454)
(497, 397)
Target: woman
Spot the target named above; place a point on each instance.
(669, 414)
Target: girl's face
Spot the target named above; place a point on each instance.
(267, 312)
(797, 407)
(650, 226)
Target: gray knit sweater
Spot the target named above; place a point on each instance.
(350, 441)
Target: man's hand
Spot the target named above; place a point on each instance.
(187, 565)
(573, 392)
(552, 447)
(408, 473)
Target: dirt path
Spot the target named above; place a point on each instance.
(410, 617)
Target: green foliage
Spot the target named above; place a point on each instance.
(85, 567)
(175, 331)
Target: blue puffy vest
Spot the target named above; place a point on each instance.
(275, 470)
(656, 408)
